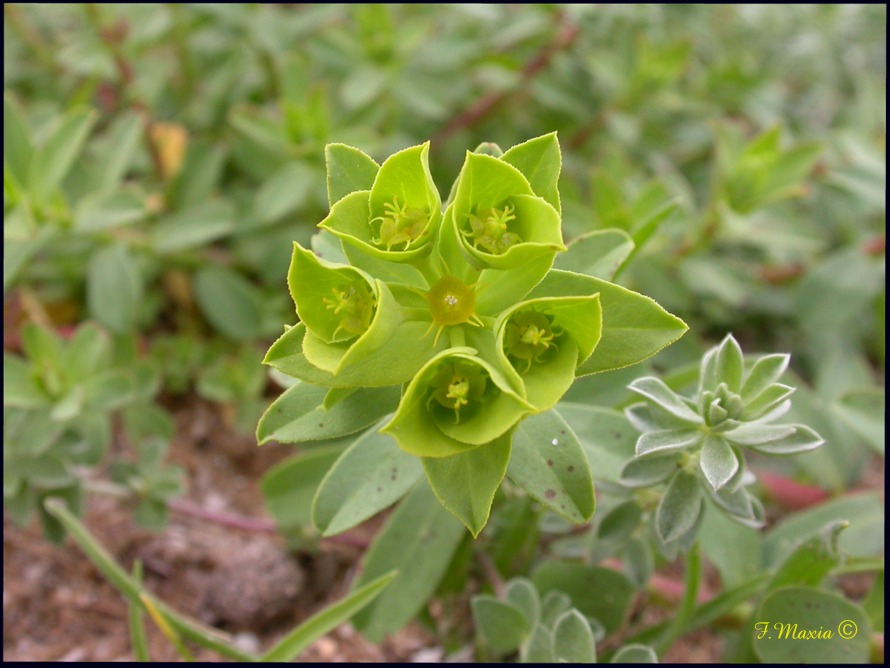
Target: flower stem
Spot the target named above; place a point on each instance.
(687, 605)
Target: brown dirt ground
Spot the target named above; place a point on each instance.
(57, 607)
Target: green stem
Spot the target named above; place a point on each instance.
(456, 334)
(687, 605)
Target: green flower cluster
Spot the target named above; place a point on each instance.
(459, 304)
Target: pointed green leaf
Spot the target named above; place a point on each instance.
(785, 616)
(679, 508)
(863, 411)
(766, 401)
(759, 434)
(20, 388)
(465, 483)
(620, 522)
(114, 288)
(813, 559)
(419, 540)
(502, 626)
(371, 475)
(108, 209)
(540, 161)
(298, 415)
(295, 642)
(549, 463)
(655, 390)
(650, 471)
(573, 639)
(289, 486)
(57, 155)
(718, 461)
(634, 326)
(17, 143)
(801, 439)
(599, 253)
(669, 440)
(730, 364)
(229, 302)
(764, 372)
(195, 226)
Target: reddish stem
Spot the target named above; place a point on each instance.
(567, 33)
(790, 494)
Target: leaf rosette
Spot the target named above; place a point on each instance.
(398, 218)
(455, 403)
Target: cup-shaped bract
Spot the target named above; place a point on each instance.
(545, 340)
(347, 314)
(498, 220)
(455, 403)
(397, 219)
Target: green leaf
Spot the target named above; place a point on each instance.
(607, 438)
(372, 474)
(396, 362)
(58, 153)
(198, 225)
(718, 461)
(553, 605)
(289, 487)
(102, 210)
(295, 642)
(284, 192)
(649, 471)
(599, 253)
(865, 537)
(638, 560)
(764, 372)
(298, 415)
(17, 254)
(418, 539)
(573, 640)
(601, 593)
(668, 440)
(620, 523)
(759, 434)
(874, 603)
(17, 142)
(501, 626)
(114, 288)
(549, 463)
(229, 302)
(634, 326)
(19, 385)
(521, 593)
(348, 170)
(734, 549)
(729, 364)
(635, 653)
(465, 483)
(539, 648)
(863, 411)
(122, 142)
(540, 161)
(679, 508)
(802, 439)
(199, 175)
(655, 390)
(793, 625)
(813, 559)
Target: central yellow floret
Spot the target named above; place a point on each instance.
(451, 301)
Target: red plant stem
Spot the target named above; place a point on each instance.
(567, 33)
(790, 494)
